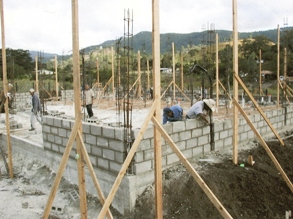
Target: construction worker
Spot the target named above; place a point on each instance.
(197, 110)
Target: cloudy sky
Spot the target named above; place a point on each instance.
(45, 25)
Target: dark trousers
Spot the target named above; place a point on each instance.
(89, 110)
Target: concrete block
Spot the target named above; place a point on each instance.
(96, 130)
(178, 126)
(218, 126)
(143, 167)
(120, 157)
(58, 140)
(119, 134)
(144, 145)
(86, 128)
(46, 129)
(97, 151)
(243, 136)
(149, 133)
(115, 167)
(90, 139)
(62, 132)
(188, 153)
(181, 145)
(191, 124)
(227, 124)
(57, 122)
(223, 134)
(196, 132)
(175, 137)
(206, 148)
(47, 145)
(108, 132)
(54, 130)
(50, 138)
(203, 140)
(54, 147)
(116, 145)
(138, 157)
(102, 142)
(206, 130)
(219, 145)
(93, 160)
(191, 143)
(148, 154)
(108, 154)
(168, 128)
(172, 159)
(184, 135)
(103, 163)
(228, 142)
(66, 124)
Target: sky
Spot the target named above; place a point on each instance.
(46, 25)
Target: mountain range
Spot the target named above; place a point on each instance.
(143, 41)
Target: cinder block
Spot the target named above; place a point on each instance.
(103, 163)
(54, 130)
(97, 151)
(96, 130)
(115, 167)
(46, 129)
(108, 132)
(203, 140)
(90, 139)
(142, 167)
(191, 143)
(168, 128)
(175, 137)
(184, 135)
(108, 154)
(57, 122)
(102, 142)
(178, 126)
(191, 124)
(144, 145)
(116, 145)
(223, 134)
(148, 154)
(172, 159)
(196, 133)
(120, 157)
(86, 128)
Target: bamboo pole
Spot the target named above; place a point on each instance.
(217, 70)
(173, 55)
(267, 149)
(258, 108)
(192, 171)
(278, 69)
(235, 83)
(56, 65)
(157, 113)
(77, 101)
(5, 90)
(127, 161)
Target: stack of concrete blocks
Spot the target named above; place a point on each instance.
(22, 101)
(67, 95)
(107, 150)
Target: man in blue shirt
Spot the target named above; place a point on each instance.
(172, 114)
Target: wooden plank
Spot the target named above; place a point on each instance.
(93, 174)
(167, 88)
(5, 87)
(235, 83)
(278, 67)
(258, 108)
(182, 92)
(192, 171)
(157, 91)
(263, 143)
(127, 161)
(61, 168)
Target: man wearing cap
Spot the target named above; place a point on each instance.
(196, 111)
(172, 114)
(36, 107)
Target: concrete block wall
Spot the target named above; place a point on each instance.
(22, 100)
(107, 151)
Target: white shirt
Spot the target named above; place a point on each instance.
(89, 94)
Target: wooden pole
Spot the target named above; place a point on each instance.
(192, 171)
(113, 81)
(235, 83)
(157, 114)
(260, 85)
(285, 64)
(77, 105)
(98, 72)
(148, 74)
(173, 55)
(56, 72)
(128, 160)
(37, 80)
(138, 75)
(267, 149)
(182, 65)
(5, 90)
(278, 69)
(217, 70)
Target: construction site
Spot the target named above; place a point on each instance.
(123, 163)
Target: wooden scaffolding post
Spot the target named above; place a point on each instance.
(217, 70)
(5, 90)
(260, 89)
(235, 83)
(138, 75)
(278, 69)
(56, 77)
(157, 114)
(173, 55)
(37, 74)
(77, 101)
(98, 73)
(285, 64)
(113, 84)
(181, 70)
(148, 74)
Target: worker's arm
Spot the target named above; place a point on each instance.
(203, 117)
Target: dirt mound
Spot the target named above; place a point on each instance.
(256, 191)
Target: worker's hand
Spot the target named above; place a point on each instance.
(207, 124)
